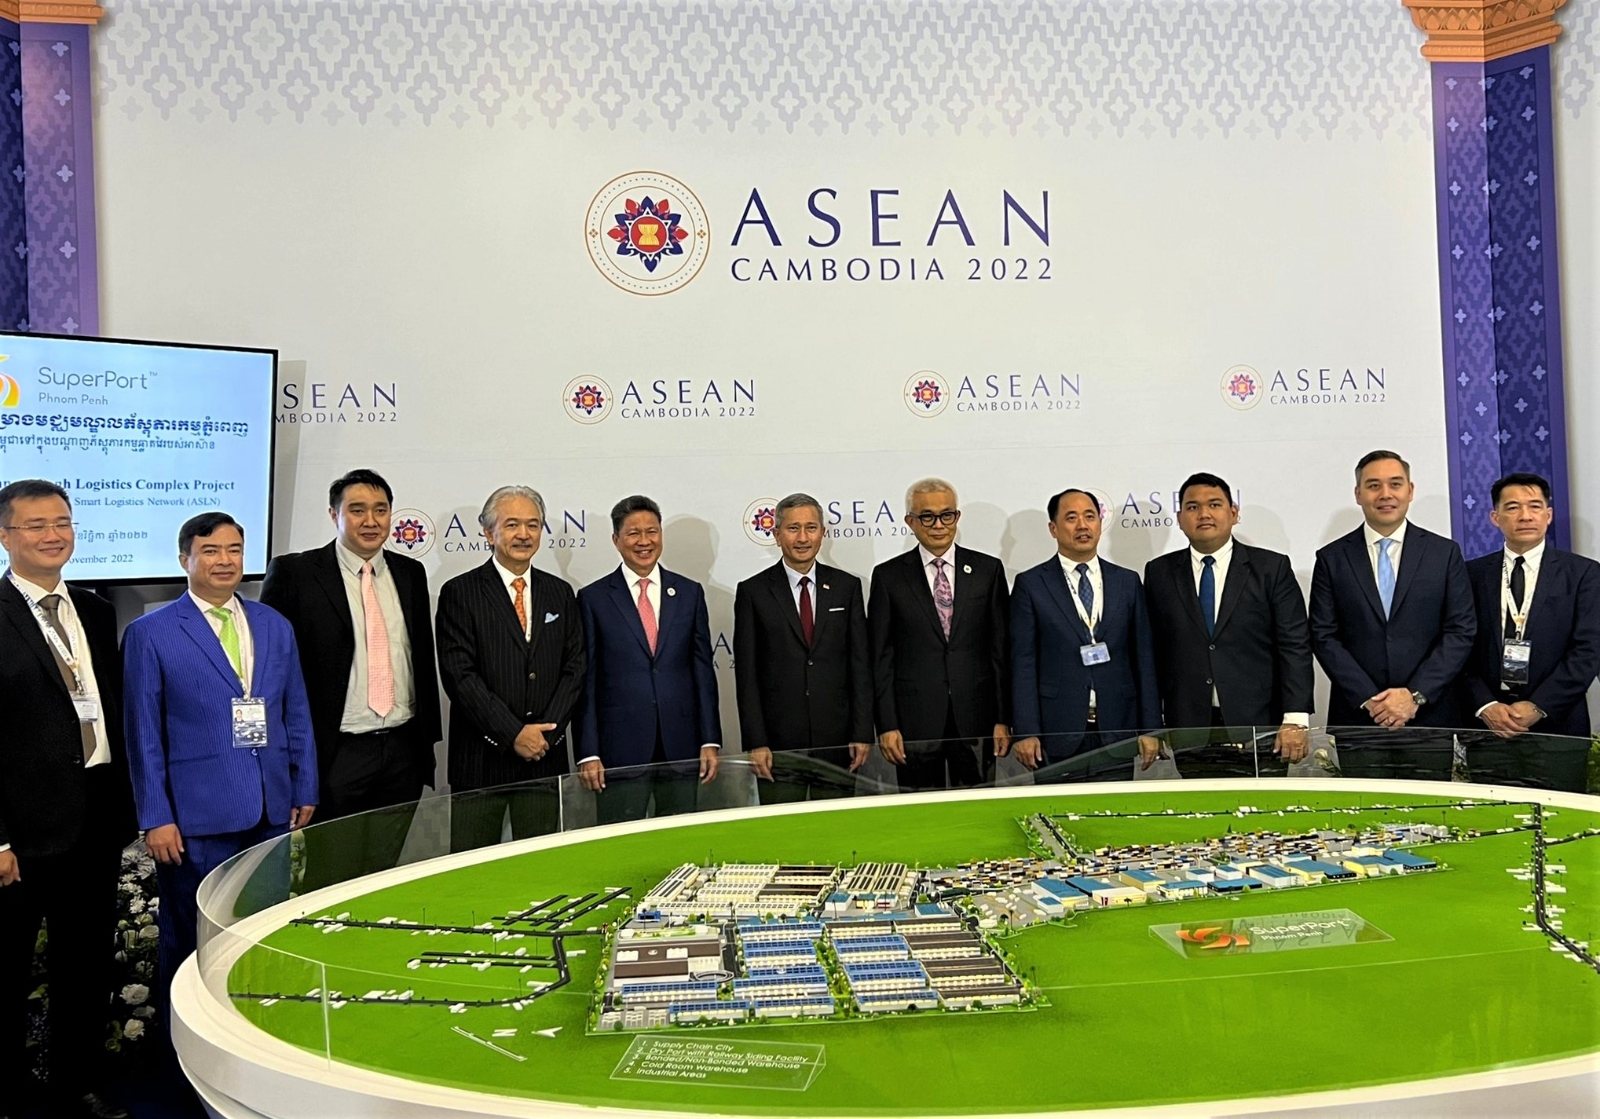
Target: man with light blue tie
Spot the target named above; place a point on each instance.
(218, 727)
(1392, 618)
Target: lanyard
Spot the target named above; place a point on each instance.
(1090, 622)
(63, 649)
(1518, 620)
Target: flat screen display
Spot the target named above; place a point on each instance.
(142, 435)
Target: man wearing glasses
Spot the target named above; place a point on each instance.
(938, 620)
(65, 805)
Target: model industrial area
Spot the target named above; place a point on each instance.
(739, 942)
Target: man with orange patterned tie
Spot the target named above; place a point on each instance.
(511, 658)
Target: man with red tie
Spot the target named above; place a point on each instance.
(802, 663)
(652, 690)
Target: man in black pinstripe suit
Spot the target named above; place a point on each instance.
(511, 657)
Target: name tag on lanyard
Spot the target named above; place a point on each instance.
(1514, 661)
(249, 723)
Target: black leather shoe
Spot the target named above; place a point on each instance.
(93, 1105)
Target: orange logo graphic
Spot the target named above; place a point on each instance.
(1212, 936)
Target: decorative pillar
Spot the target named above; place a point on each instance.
(1494, 171)
(47, 154)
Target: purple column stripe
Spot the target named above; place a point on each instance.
(1555, 358)
(57, 122)
(13, 227)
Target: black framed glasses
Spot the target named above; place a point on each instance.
(948, 517)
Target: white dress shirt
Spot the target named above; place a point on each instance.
(1530, 574)
(78, 646)
(949, 567)
(794, 587)
(357, 717)
(1097, 583)
(241, 626)
(506, 576)
(1224, 561)
(1373, 536)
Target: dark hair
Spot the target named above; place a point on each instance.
(1204, 479)
(1055, 502)
(360, 477)
(1519, 478)
(1378, 456)
(795, 501)
(29, 487)
(204, 524)
(638, 503)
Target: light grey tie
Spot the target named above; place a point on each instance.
(51, 605)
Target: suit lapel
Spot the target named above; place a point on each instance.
(1355, 551)
(822, 597)
(629, 609)
(1239, 573)
(1552, 585)
(325, 563)
(260, 644)
(1412, 557)
(500, 599)
(1182, 575)
(15, 605)
(1055, 581)
(200, 632)
(778, 588)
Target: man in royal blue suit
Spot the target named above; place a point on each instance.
(1392, 625)
(1083, 668)
(1537, 648)
(218, 727)
(652, 691)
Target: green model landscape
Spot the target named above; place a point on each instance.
(1466, 981)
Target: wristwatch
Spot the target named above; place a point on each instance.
(1418, 698)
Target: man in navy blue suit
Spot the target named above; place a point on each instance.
(1538, 644)
(1083, 666)
(652, 691)
(218, 727)
(1391, 616)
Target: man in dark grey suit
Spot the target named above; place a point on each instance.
(511, 656)
(1392, 624)
(938, 617)
(1232, 646)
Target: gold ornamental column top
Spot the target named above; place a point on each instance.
(1478, 30)
(51, 11)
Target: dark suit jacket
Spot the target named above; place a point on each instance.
(1258, 658)
(1050, 683)
(792, 697)
(308, 589)
(179, 689)
(498, 683)
(1564, 628)
(632, 698)
(41, 750)
(918, 674)
(1424, 643)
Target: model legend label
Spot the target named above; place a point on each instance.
(1280, 932)
(722, 1064)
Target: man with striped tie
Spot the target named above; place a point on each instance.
(219, 730)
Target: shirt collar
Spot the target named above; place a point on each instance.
(928, 557)
(1221, 555)
(633, 580)
(794, 576)
(1070, 566)
(353, 563)
(1532, 556)
(232, 606)
(1373, 536)
(506, 574)
(33, 592)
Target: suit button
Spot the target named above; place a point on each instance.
(1213, 648)
(1208, 680)
(810, 663)
(535, 675)
(255, 753)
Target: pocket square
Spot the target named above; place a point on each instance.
(835, 609)
(548, 618)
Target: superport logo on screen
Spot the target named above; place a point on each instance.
(10, 389)
(1243, 387)
(929, 393)
(647, 233)
(590, 399)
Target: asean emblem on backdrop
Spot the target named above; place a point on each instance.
(1241, 387)
(586, 399)
(647, 233)
(927, 394)
(412, 533)
(10, 389)
(760, 520)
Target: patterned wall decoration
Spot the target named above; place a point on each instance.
(1026, 68)
(1497, 236)
(13, 230)
(58, 157)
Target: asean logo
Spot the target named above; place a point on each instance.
(586, 400)
(647, 233)
(411, 533)
(760, 519)
(927, 394)
(1241, 387)
(1212, 937)
(10, 389)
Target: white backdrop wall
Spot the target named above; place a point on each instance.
(396, 199)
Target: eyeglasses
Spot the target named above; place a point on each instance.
(40, 529)
(948, 517)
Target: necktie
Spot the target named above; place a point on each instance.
(807, 622)
(1086, 595)
(944, 599)
(1519, 588)
(230, 639)
(647, 615)
(380, 673)
(517, 586)
(1385, 574)
(51, 605)
(1208, 593)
